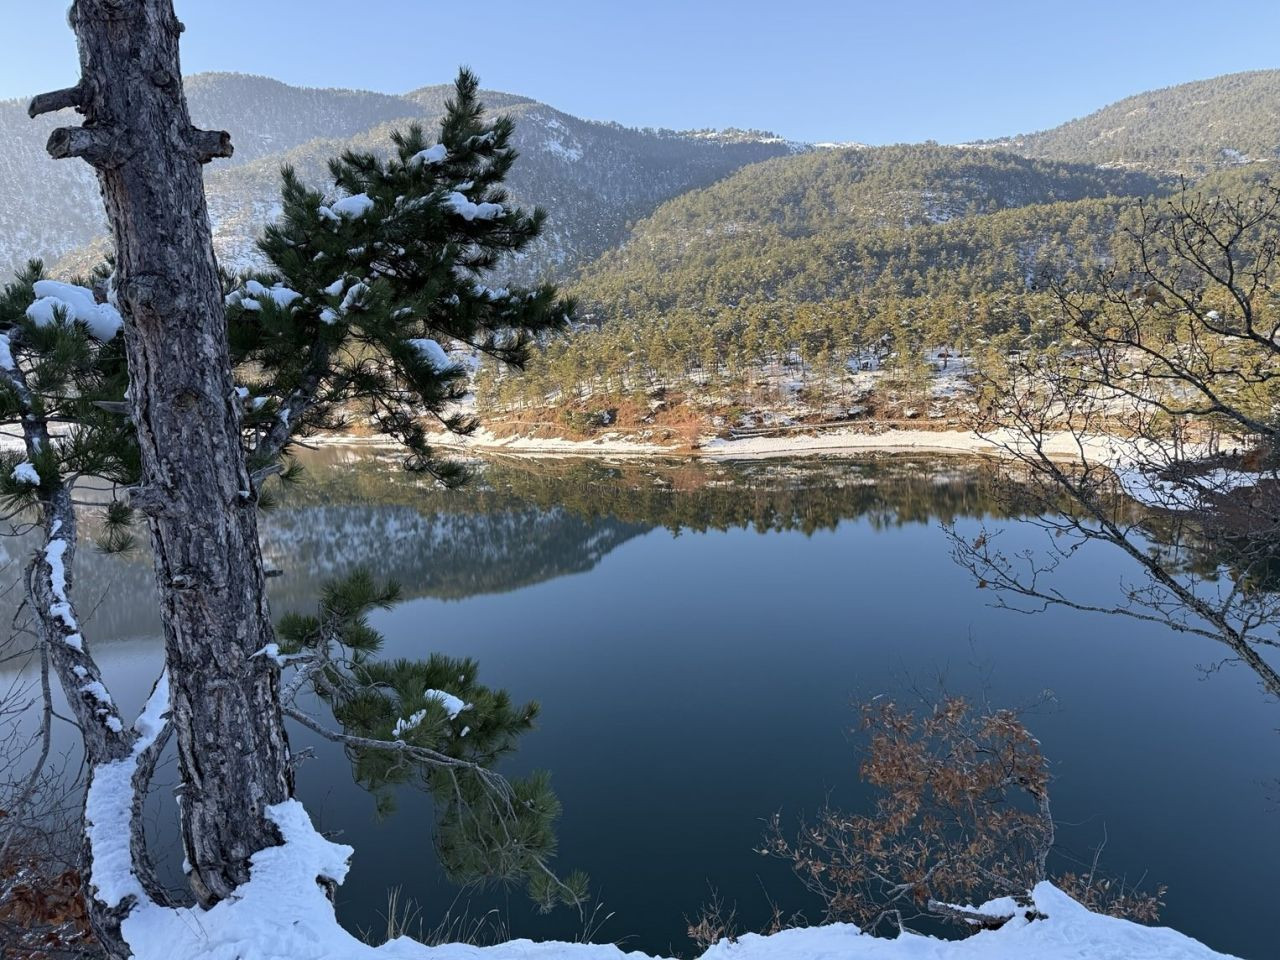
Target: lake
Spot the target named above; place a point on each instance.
(698, 636)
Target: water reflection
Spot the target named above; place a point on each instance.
(696, 633)
(522, 523)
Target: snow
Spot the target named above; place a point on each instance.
(98, 692)
(102, 320)
(840, 441)
(106, 709)
(1000, 907)
(282, 295)
(432, 352)
(353, 296)
(272, 652)
(108, 807)
(452, 705)
(354, 206)
(571, 153)
(6, 353)
(54, 552)
(25, 472)
(435, 154)
(281, 913)
(405, 724)
(279, 293)
(848, 440)
(490, 293)
(335, 289)
(1069, 932)
(469, 211)
(329, 315)
(1186, 494)
(830, 442)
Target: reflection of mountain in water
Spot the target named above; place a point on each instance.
(522, 524)
(115, 594)
(448, 555)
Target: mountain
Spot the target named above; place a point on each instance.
(48, 207)
(1191, 128)
(787, 221)
(594, 178)
(835, 223)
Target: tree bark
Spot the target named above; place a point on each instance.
(137, 134)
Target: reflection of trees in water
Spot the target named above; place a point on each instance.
(525, 522)
(805, 496)
(1220, 545)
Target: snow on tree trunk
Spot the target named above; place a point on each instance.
(138, 136)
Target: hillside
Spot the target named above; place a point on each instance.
(48, 208)
(896, 186)
(1190, 128)
(594, 177)
(905, 220)
(825, 287)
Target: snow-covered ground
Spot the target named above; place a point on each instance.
(852, 440)
(282, 914)
(830, 441)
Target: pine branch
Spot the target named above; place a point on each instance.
(78, 672)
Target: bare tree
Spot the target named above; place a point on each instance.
(42, 908)
(1151, 426)
(962, 817)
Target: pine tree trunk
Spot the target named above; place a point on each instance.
(137, 134)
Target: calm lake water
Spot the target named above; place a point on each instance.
(697, 636)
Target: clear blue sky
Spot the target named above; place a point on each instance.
(949, 70)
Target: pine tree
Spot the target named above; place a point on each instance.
(372, 301)
(361, 290)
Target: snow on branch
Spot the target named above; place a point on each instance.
(65, 302)
(113, 800)
(48, 578)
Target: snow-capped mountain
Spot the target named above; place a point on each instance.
(594, 178)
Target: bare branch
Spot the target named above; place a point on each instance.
(56, 100)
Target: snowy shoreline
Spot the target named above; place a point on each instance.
(281, 913)
(832, 442)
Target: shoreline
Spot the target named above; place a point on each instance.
(834, 442)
